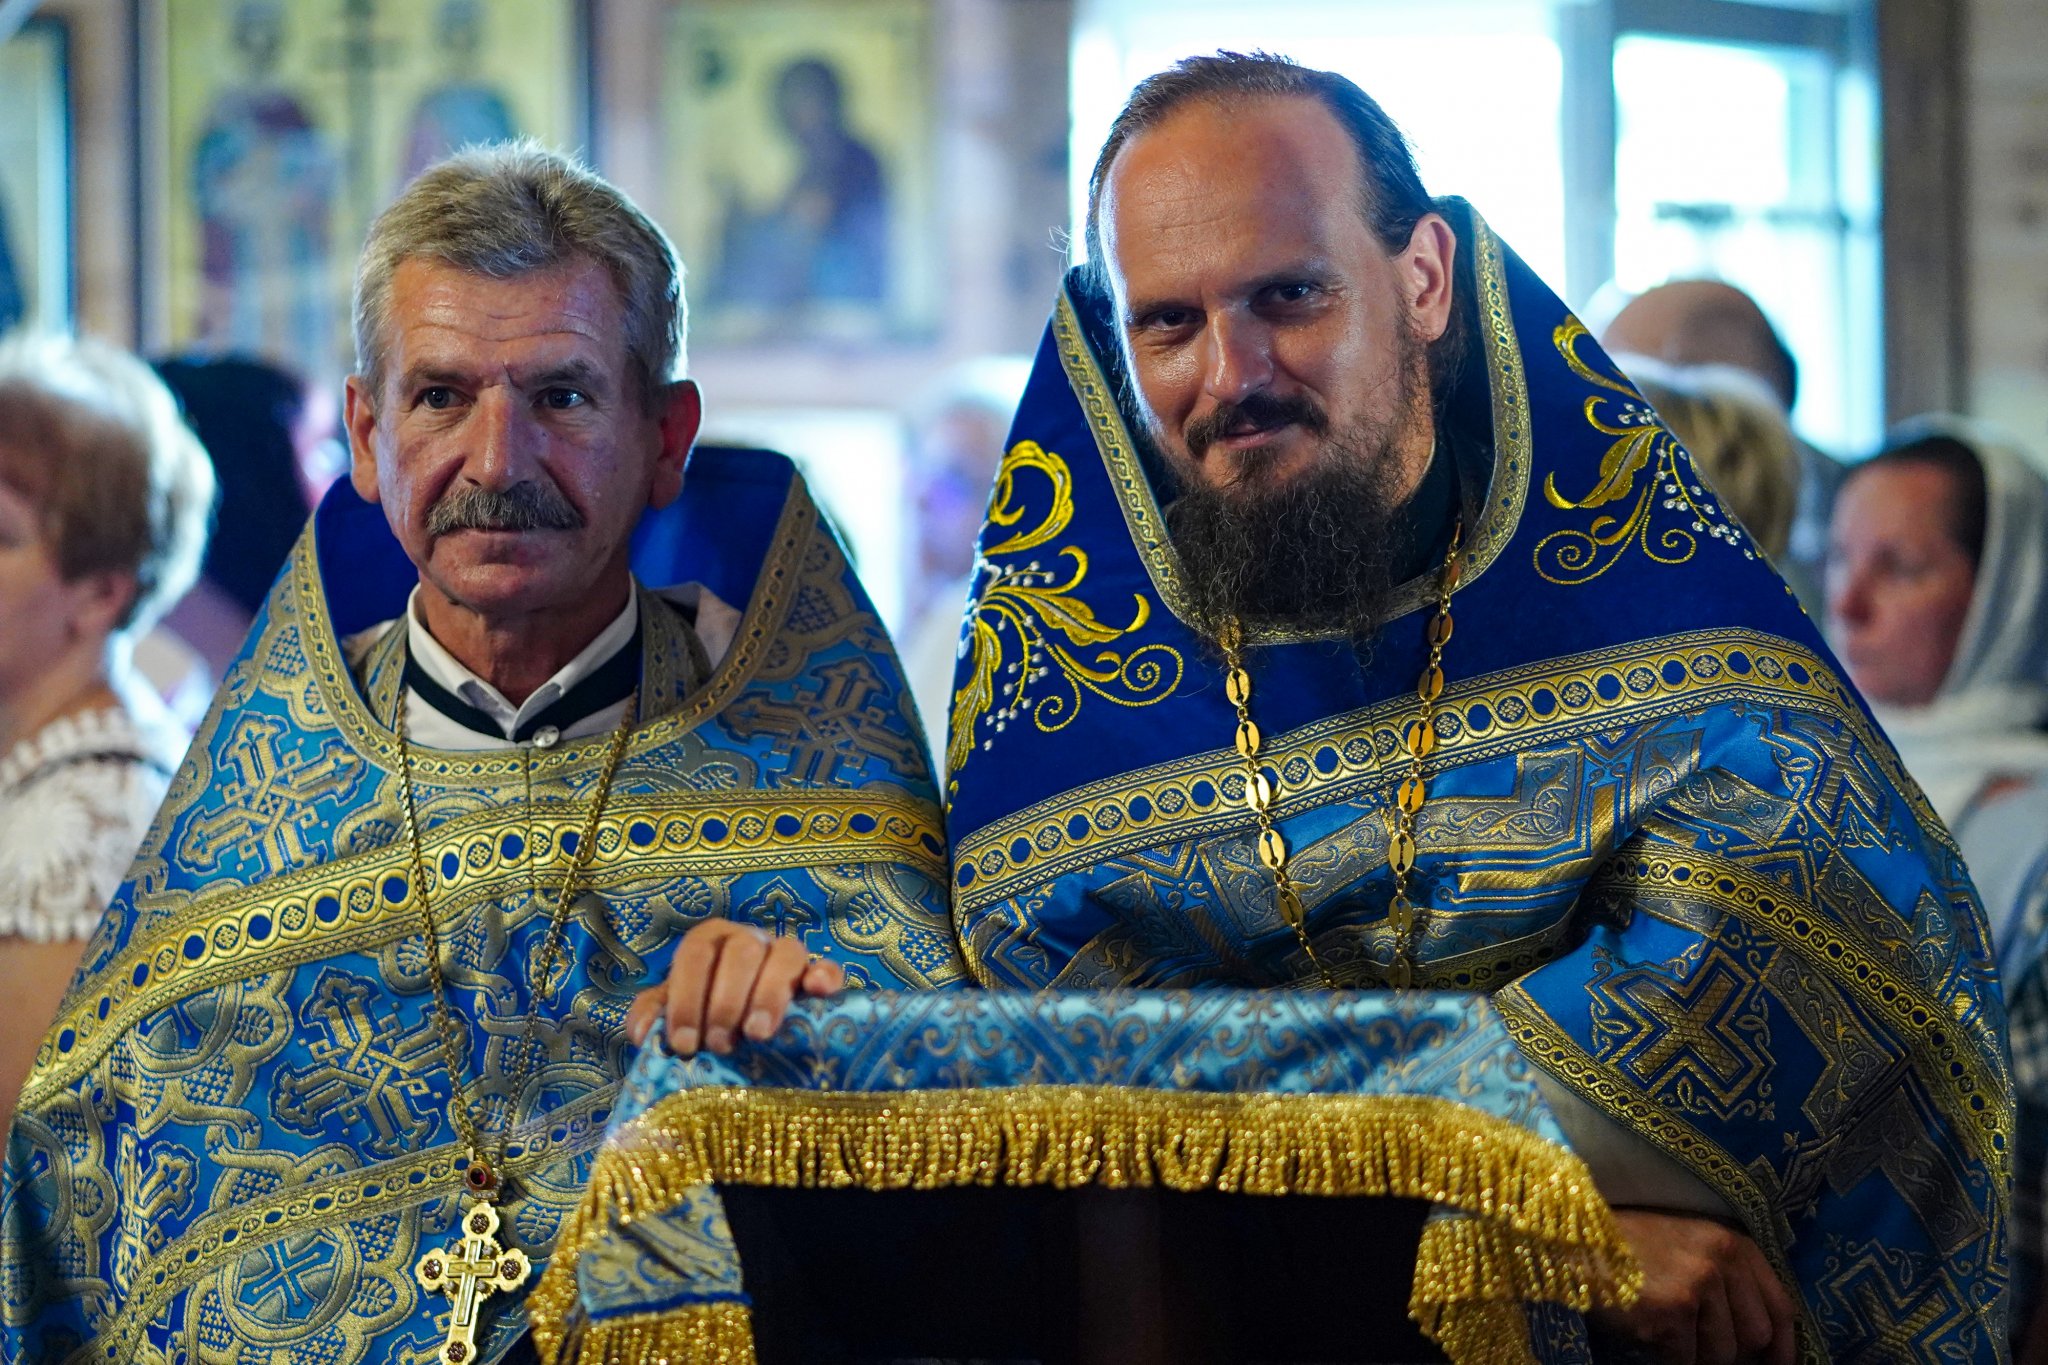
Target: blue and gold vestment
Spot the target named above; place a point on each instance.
(1662, 831)
(235, 1143)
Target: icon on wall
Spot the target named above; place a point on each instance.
(801, 135)
(291, 123)
(264, 179)
(462, 111)
(35, 178)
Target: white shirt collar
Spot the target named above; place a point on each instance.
(444, 668)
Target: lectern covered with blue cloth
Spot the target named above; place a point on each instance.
(1236, 1107)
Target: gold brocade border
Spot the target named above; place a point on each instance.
(1606, 1089)
(1513, 441)
(364, 902)
(775, 590)
(1481, 718)
(1507, 491)
(1977, 1105)
(544, 1141)
(1544, 1232)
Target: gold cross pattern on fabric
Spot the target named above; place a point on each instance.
(469, 1272)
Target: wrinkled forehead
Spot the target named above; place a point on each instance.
(441, 314)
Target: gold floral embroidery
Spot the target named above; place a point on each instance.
(1030, 604)
(1642, 444)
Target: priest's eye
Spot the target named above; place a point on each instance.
(561, 400)
(438, 398)
(1166, 320)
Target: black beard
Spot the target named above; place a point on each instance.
(1319, 553)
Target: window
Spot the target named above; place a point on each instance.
(1406, 56)
(1621, 142)
(1753, 163)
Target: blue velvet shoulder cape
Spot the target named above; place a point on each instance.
(235, 1143)
(1662, 829)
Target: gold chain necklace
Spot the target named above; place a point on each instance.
(476, 1266)
(1418, 740)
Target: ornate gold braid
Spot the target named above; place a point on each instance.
(1544, 1234)
(1975, 1080)
(1819, 695)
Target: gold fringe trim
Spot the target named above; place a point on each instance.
(1480, 1333)
(1537, 1230)
(1472, 1278)
(702, 1334)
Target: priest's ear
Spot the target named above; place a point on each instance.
(359, 415)
(679, 413)
(1423, 272)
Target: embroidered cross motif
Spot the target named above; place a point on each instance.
(362, 1071)
(285, 1272)
(468, 1272)
(156, 1188)
(270, 804)
(1697, 1042)
(840, 724)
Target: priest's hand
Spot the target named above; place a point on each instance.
(729, 980)
(1709, 1296)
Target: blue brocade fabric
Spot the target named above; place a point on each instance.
(1662, 829)
(1444, 1046)
(236, 1142)
(673, 1252)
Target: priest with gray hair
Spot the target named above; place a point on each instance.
(538, 690)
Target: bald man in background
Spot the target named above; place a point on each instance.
(1707, 322)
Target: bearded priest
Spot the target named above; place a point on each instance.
(331, 1074)
(1375, 632)
(1344, 619)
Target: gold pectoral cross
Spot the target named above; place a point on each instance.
(468, 1272)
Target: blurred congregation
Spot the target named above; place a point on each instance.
(1812, 235)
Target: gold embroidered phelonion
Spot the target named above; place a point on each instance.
(1418, 741)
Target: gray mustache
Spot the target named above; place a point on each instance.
(522, 507)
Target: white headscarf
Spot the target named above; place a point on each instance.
(1985, 724)
(1985, 721)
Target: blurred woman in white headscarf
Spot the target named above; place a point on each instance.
(1937, 601)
